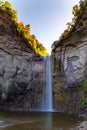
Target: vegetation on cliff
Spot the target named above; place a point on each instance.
(83, 102)
(23, 31)
(77, 12)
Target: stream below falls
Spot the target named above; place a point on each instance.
(39, 121)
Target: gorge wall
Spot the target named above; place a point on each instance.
(70, 68)
(21, 70)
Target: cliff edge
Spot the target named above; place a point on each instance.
(70, 63)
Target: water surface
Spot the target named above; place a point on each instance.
(38, 121)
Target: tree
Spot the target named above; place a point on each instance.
(0, 2)
(23, 31)
(75, 10)
(27, 29)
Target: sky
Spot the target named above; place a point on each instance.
(47, 18)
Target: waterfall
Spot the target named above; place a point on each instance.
(47, 100)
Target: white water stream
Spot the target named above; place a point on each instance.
(47, 99)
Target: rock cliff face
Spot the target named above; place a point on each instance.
(70, 67)
(21, 70)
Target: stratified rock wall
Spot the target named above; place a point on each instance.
(70, 67)
(21, 70)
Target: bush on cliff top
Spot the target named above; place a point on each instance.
(23, 31)
(77, 12)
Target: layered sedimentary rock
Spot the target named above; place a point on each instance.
(21, 70)
(70, 67)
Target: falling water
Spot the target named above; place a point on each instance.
(47, 104)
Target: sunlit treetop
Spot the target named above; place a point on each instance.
(23, 31)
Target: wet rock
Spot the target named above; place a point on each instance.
(82, 126)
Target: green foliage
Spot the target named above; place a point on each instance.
(23, 31)
(84, 86)
(77, 12)
(83, 102)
